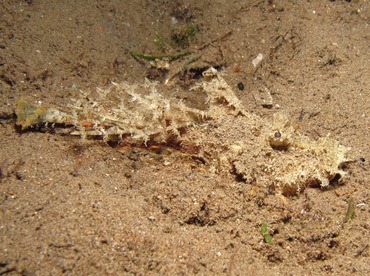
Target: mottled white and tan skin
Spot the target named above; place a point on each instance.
(230, 139)
(262, 151)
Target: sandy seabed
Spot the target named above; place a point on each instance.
(86, 207)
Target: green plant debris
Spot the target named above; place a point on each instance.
(185, 35)
(188, 62)
(266, 234)
(154, 57)
(350, 211)
(159, 43)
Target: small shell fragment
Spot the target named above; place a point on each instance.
(257, 60)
